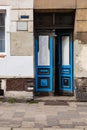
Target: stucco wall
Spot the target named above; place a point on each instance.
(21, 44)
(18, 59)
(57, 4)
(80, 59)
(18, 3)
(80, 40)
(54, 4)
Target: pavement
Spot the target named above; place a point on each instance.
(48, 113)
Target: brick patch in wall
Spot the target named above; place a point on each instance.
(81, 88)
(19, 84)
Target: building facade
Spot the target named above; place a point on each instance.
(42, 46)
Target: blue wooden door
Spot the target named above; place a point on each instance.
(43, 63)
(65, 62)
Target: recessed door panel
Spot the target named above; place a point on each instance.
(43, 51)
(65, 50)
(43, 64)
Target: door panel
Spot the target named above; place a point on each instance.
(65, 62)
(43, 63)
(43, 51)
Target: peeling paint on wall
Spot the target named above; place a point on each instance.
(80, 59)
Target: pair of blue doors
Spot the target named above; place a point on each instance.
(45, 56)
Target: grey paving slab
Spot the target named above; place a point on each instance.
(30, 119)
(40, 125)
(65, 122)
(1, 128)
(28, 124)
(63, 115)
(79, 127)
(26, 129)
(18, 114)
(80, 123)
(67, 126)
(72, 114)
(52, 121)
(82, 109)
(62, 129)
(4, 123)
(15, 122)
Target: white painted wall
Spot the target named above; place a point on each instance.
(16, 66)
